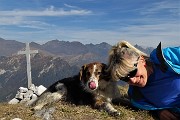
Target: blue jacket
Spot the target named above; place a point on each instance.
(162, 90)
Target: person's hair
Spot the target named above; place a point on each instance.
(122, 58)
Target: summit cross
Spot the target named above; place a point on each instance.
(28, 52)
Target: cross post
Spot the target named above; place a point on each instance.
(28, 52)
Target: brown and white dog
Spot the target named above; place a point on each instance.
(92, 86)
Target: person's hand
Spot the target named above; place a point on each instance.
(166, 115)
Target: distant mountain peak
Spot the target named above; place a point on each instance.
(2, 39)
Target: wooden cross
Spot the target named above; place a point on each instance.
(28, 52)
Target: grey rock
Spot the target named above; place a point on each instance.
(13, 101)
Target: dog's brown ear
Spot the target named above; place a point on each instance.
(81, 73)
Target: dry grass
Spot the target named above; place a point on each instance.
(65, 111)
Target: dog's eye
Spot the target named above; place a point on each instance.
(98, 73)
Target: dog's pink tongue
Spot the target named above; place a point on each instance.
(92, 85)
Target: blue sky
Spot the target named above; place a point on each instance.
(142, 22)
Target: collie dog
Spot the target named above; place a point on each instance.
(92, 86)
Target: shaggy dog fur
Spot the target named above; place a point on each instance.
(92, 86)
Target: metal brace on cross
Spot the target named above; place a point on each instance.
(28, 52)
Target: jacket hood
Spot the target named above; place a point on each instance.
(168, 58)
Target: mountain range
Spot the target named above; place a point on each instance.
(55, 60)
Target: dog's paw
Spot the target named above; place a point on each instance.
(39, 107)
(111, 110)
(115, 113)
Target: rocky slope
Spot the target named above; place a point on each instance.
(45, 70)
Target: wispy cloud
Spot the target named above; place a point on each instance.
(36, 25)
(51, 11)
(158, 7)
(10, 20)
(23, 18)
(151, 35)
(70, 6)
(21, 22)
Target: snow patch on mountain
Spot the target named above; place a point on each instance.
(2, 71)
(45, 69)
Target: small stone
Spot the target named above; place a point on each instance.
(23, 90)
(13, 101)
(40, 90)
(19, 95)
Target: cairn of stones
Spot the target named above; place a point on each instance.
(27, 95)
